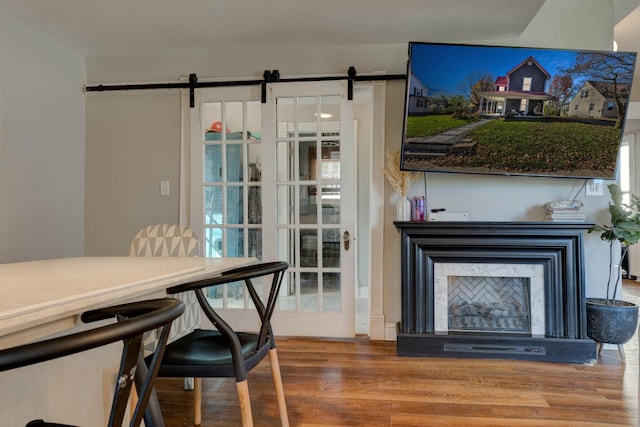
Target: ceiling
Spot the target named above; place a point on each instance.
(627, 29)
(96, 28)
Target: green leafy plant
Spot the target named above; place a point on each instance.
(624, 228)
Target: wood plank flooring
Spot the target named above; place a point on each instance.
(363, 383)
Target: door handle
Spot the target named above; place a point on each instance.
(345, 240)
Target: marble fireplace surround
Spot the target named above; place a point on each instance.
(557, 248)
(534, 273)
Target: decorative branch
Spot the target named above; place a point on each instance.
(400, 180)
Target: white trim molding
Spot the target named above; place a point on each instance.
(377, 328)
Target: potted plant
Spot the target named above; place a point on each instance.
(610, 320)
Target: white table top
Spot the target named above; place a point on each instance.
(38, 298)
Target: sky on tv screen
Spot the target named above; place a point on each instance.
(442, 67)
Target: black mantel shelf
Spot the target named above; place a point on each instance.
(557, 246)
(493, 225)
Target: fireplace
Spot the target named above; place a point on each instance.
(488, 298)
(494, 290)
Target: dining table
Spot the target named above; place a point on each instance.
(43, 298)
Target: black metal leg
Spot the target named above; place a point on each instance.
(153, 413)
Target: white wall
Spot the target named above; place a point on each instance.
(42, 201)
(41, 147)
(132, 145)
(560, 23)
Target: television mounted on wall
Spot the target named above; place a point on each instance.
(514, 110)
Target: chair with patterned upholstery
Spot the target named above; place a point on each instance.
(165, 240)
(171, 240)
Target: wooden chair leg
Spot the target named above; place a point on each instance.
(197, 401)
(245, 403)
(277, 381)
(133, 399)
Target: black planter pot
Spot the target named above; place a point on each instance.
(611, 323)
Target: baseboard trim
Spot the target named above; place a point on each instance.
(390, 332)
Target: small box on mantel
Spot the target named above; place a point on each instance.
(447, 216)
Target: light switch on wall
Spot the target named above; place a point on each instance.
(594, 187)
(164, 188)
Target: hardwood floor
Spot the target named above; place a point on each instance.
(363, 383)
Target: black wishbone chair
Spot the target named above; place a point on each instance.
(207, 353)
(133, 320)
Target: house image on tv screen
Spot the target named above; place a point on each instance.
(418, 96)
(520, 92)
(515, 110)
(597, 100)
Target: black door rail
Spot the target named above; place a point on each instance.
(269, 76)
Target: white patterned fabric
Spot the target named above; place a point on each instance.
(170, 240)
(165, 240)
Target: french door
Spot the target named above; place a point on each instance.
(276, 181)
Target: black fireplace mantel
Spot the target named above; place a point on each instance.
(558, 247)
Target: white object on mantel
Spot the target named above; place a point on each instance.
(563, 205)
(403, 209)
(447, 216)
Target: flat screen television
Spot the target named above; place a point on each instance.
(514, 110)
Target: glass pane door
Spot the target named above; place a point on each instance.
(308, 200)
(232, 179)
(276, 181)
(314, 207)
(229, 142)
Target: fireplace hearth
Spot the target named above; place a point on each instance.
(494, 290)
